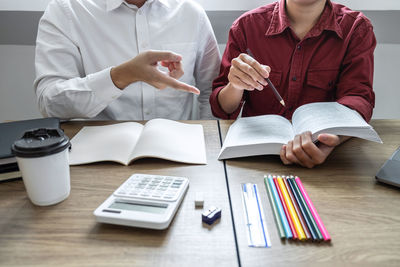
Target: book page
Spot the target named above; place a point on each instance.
(256, 136)
(105, 143)
(171, 140)
(334, 118)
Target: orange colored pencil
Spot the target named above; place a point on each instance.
(297, 209)
(285, 209)
(291, 209)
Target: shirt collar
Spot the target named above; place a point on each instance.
(114, 4)
(280, 21)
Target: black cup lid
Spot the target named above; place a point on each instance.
(40, 142)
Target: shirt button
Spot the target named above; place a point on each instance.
(294, 78)
(298, 47)
(140, 12)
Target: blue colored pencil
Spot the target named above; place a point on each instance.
(302, 209)
(274, 209)
(278, 203)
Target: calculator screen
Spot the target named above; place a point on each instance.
(138, 207)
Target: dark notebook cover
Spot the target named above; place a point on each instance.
(11, 131)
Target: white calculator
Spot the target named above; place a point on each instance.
(143, 200)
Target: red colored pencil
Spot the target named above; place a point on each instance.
(297, 209)
(295, 235)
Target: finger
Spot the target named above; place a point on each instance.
(173, 83)
(178, 66)
(314, 152)
(176, 71)
(309, 146)
(171, 64)
(176, 74)
(243, 64)
(329, 139)
(156, 55)
(237, 70)
(300, 154)
(289, 153)
(283, 156)
(267, 68)
(166, 64)
(240, 84)
(256, 66)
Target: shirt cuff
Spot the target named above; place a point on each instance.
(359, 104)
(102, 86)
(216, 109)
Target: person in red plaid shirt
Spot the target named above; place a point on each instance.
(312, 51)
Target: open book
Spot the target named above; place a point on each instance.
(128, 141)
(265, 135)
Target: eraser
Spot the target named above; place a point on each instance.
(211, 215)
(199, 200)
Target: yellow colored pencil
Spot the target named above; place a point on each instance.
(291, 209)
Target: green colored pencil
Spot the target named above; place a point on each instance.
(307, 210)
(274, 209)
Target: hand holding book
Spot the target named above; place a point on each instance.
(266, 134)
(303, 151)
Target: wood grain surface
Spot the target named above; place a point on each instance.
(361, 215)
(68, 234)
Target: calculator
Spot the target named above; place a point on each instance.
(143, 200)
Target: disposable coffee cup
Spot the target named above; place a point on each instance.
(42, 156)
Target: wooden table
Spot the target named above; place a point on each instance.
(361, 215)
(67, 233)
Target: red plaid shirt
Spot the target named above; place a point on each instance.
(334, 62)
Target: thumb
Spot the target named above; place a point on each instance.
(156, 55)
(329, 139)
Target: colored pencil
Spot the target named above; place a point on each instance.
(314, 212)
(297, 209)
(308, 211)
(280, 218)
(278, 221)
(292, 212)
(285, 209)
(302, 206)
(282, 215)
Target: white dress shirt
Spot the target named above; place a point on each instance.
(79, 41)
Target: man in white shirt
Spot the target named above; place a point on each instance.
(108, 59)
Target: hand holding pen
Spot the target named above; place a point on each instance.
(248, 74)
(277, 95)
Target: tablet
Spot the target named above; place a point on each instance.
(390, 171)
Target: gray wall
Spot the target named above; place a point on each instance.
(18, 33)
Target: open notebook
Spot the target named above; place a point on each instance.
(128, 141)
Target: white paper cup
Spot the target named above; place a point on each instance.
(42, 157)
